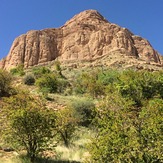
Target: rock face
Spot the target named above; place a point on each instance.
(87, 36)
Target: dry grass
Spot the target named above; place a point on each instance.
(7, 157)
(78, 150)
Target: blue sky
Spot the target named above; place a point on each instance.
(142, 17)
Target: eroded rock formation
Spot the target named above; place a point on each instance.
(87, 36)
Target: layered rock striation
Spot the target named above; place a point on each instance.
(87, 36)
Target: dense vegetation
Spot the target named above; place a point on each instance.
(123, 109)
(5, 83)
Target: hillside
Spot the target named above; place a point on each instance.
(94, 106)
(89, 91)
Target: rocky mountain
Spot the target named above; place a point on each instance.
(88, 36)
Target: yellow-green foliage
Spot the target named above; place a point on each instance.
(126, 133)
(27, 123)
(66, 124)
(19, 70)
(127, 117)
(88, 83)
(47, 81)
(5, 83)
(84, 110)
(39, 71)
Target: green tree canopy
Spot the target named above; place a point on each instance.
(27, 123)
(127, 134)
(5, 83)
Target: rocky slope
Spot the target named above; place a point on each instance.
(88, 36)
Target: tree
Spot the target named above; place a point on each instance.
(151, 118)
(126, 133)
(129, 86)
(5, 83)
(66, 124)
(58, 68)
(140, 85)
(29, 123)
(89, 83)
(113, 128)
(109, 76)
(62, 84)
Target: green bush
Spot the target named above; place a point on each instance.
(62, 85)
(19, 70)
(29, 79)
(89, 83)
(39, 71)
(66, 124)
(57, 65)
(140, 85)
(5, 83)
(108, 77)
(48, 82)
(126, 134)
(51, 82)
(84, 111)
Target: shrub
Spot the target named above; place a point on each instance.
(62, 85)
(52, 83)
(89, 83)
(39, 71)
(58, 66)
(19, 70)
(108, 77)
(84, 109)
(140, 85)
(126, 134)
(5, 83)
(48, 82)
(29, 79)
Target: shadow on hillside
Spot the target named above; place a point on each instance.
(55, 161)
(25, 159)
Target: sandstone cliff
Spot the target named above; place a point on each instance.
(87, 36)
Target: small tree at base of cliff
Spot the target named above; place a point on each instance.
(93, 86)
(29, 124)
(113, 131)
